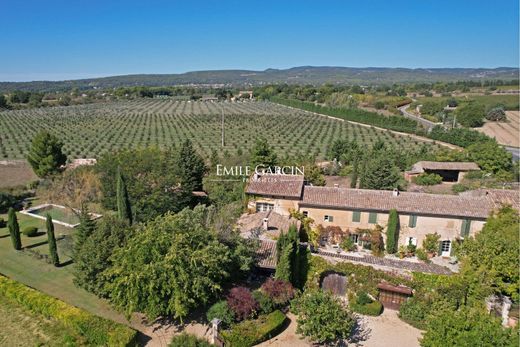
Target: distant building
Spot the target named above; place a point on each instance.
(449, 171)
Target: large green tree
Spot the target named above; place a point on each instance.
(322, 318)
(14, 229)
(45, 155)
(93, 257)
(380, 173)
(490, 259)
(191, 167)
(467, 327)
(262, 154)
(471, 114)
(153, 184)
(51, 240)
(171, 266)
(124, 210)
(490, 156)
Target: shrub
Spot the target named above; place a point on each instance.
(6, 200)
(414, 312)
(426, 179)
(3, 223)
(496, 114)
(348, 245)
(95, 330)
(221, 311)
(431, 242)
(421, 255)
(363, 299)
(253, 332)
(375, 308)
(459, 188)
(241, 302)
(265, 304)
(379, 105)
(188, 340)
(279, 291)
(30, 231)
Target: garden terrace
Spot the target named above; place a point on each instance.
(88, 131)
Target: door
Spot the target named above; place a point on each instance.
(445, 248)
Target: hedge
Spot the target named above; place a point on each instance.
(252, 332)
(30, 231)
(95, 330)
(375, 308)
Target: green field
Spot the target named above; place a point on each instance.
(90, 130)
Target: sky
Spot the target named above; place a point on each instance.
(57, 40)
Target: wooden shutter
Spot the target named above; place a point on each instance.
(412, 222)
(356, 216)
(464, 230)
(372, 218)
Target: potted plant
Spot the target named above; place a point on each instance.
(402, 251)
(431, 244)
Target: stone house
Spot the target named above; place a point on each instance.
(453, 217)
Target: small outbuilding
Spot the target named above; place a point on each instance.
(449, 171)
(392, 296)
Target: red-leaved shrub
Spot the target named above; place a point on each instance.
(279, 291)
(241, 302)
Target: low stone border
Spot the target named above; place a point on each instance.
(29, 212)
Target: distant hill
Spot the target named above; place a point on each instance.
(296, 75)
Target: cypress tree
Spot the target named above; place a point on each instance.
(85, 228)
(14, 229)
(124, 210)
(53, 250)
(283, 267)
(392, 232)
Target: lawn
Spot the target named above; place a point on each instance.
(23, 267)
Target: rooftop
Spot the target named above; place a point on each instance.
(276, 185)
(446, 165)
(250, 223)
(404, 202)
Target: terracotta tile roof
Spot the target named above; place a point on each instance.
(404, 202)
(498, 197)
(276, 185)
(446, 165)
(266, 254)
(276, 222)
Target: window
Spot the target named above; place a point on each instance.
(354, 238)
(263, 206)
(328, 218)
(411, 241)
(464, 230)
(412, 222)
(445, 248)
(356, 216)
(372, 218)
(305, 213)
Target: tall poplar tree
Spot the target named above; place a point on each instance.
(51, 239)
(14, 229)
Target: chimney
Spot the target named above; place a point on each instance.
(265, 223)
(395, 192)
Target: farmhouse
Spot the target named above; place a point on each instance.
(449, 171)
(453, 217)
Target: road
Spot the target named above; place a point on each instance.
(427, 124)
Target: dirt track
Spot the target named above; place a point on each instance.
(506, 133)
